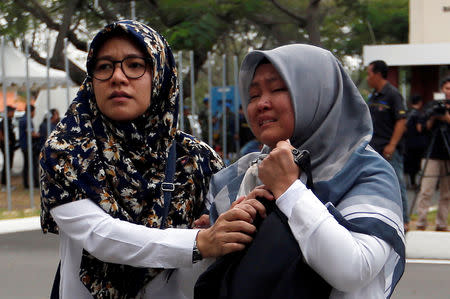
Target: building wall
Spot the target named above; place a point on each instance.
(424, 81)
(429, 21)
(393, 75)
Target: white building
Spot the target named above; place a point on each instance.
(426, 58)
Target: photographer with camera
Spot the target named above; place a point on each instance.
(437, 161)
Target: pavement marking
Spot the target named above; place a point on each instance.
(428, 245)
(20, 224)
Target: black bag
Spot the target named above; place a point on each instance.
(271, 267)
(55, 288)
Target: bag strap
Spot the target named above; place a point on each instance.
(304, 162)
(56, 281)
(167, 186)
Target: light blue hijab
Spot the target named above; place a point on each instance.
(331, 117)
(332, 122)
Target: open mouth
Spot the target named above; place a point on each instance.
(266, 121)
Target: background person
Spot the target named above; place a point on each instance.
(389, 123)
(415, 140)
(247, 140)
(23, 141)
(350, 228)
(438, 165)
(106, 184)
(203, 119)
(230, 130)
(11, 142)
(245, 132)
(54, 119)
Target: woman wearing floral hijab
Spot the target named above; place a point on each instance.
(349, 226)
(116, 170)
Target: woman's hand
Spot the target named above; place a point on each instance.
(202, 222)
(278, 170)
(260, 192)
(251, 204)
(232, 230)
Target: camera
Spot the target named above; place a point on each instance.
(439, 106)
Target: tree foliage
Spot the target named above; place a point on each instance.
(217, 26)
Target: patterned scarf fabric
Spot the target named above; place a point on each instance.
(121, 165)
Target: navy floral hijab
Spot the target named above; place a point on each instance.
(120, 165)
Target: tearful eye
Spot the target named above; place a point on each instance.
(279, 89)
(254, 93)
(254, 97)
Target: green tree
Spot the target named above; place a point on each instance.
(217, 26)
(188, 25)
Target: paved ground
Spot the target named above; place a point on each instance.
(423, 280)
(29, 260)
(26, 255)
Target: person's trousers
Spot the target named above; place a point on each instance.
(25, 170)
(411, 163)
(11, 159)
(435, 170)
(397, 163)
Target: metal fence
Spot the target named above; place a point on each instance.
(225, 123)
(18, 73)
(50, 81)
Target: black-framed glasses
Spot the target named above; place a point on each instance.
(132, 67)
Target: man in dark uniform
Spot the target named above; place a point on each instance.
(11, 142)
(416, 141)
(35, 149)
(389, 123)
(437, 163)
